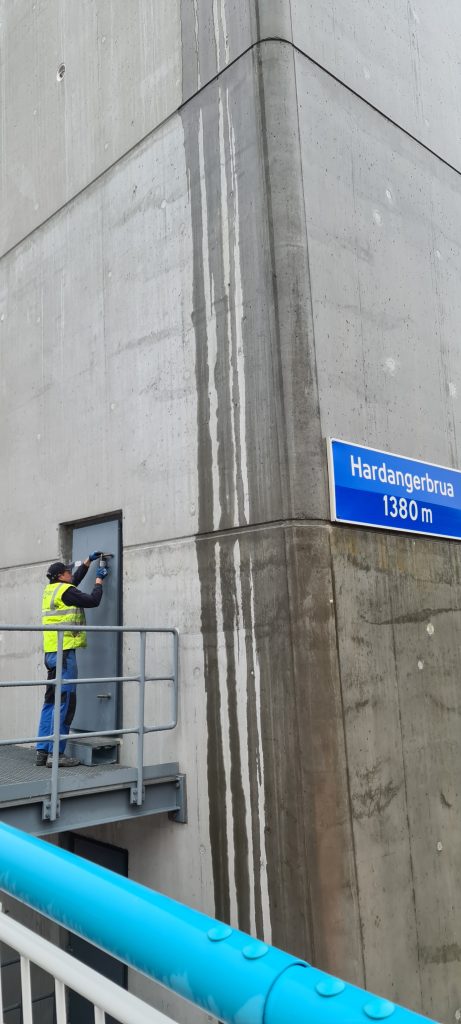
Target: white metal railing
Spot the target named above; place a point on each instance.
(69, 973)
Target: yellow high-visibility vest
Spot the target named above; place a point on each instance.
(54, 611)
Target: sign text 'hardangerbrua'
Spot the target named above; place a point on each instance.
(374, 488)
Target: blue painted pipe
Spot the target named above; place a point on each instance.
(227, 973)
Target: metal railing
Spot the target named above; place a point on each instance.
(68, 973)
(140, 730)
(229, 974)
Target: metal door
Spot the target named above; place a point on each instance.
(116, 859)
(97, 706)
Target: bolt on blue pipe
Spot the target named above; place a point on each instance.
(227, 973)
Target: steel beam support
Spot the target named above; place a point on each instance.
(83, 810)
(180, 814)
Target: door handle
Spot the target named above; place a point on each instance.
(104, 696)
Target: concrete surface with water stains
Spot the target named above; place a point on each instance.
(231, 230)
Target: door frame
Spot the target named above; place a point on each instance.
(65, 547)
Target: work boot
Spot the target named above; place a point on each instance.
(41, 758)
(63, 761)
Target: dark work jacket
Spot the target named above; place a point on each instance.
(72, 596)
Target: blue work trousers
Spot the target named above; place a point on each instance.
(68, 700)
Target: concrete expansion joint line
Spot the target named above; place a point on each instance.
(237, 531)
(377, 110)
(272, 524)
(213, 79)
(126, 152)
(24, 565)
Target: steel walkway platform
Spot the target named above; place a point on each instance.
(88, 794)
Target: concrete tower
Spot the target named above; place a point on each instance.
(231, 229)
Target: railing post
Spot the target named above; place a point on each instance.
(142, 690)
(26, 991)
(56, 730)
(60, 998)
(176, 674)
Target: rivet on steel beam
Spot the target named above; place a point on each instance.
(379, 1009)
(255, 950)
(330, 987)
(220, 932)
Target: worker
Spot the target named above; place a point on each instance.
(64, 604)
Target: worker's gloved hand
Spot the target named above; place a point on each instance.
(102, 573)
(94, 555)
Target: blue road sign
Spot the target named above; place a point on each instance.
(373, 488)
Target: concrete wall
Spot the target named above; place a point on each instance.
(231, 231)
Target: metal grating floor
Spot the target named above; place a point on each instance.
(17, 765)
(88, 794)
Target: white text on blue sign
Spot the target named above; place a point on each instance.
(376, 488)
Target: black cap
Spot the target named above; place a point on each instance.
(56, 569)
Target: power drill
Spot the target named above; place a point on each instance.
(103, 559)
